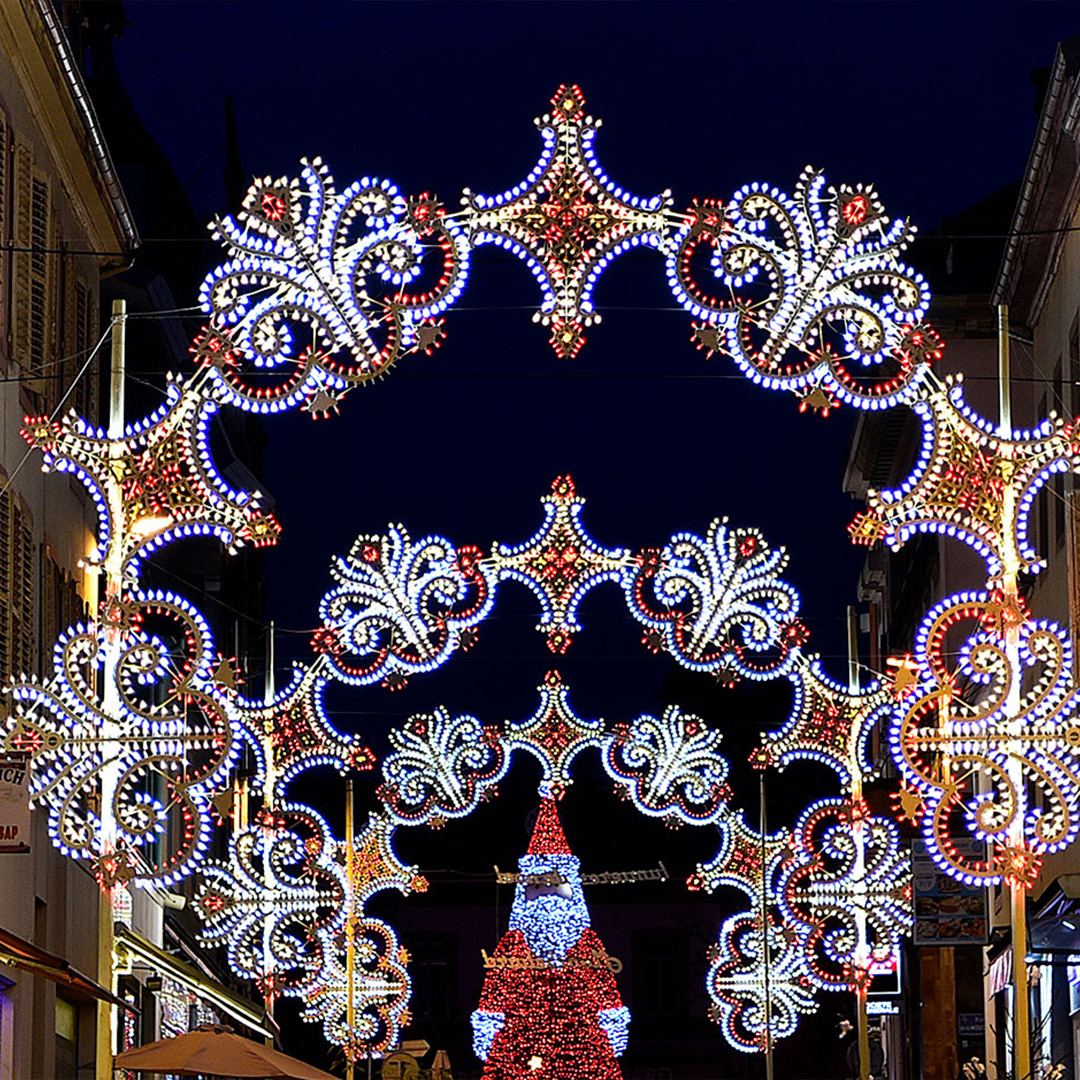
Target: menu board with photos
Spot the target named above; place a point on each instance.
(947, 912)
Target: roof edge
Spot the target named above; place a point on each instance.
(85, 108)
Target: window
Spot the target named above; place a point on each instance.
(659, 975)
(67, 1039)
(433, 967)
(33, 302)
(16, 585)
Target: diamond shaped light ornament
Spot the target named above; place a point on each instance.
(566, 220)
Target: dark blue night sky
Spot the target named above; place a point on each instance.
(934, 104)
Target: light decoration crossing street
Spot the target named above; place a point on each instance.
(322, 290)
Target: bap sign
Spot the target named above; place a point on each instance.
(14, 803)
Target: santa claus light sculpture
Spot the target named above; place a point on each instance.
(550, 1009)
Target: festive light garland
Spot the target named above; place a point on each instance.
(815, 301)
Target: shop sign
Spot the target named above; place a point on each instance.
(14, 803)
(947, 911)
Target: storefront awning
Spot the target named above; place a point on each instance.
(18, 953)
(226, 1001)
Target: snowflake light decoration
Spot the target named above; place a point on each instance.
(738, 985)
(170, 742)
(567, 220)
(961, 746)
(155, 484)
(846, 871)
(301, 270)
(279, 902)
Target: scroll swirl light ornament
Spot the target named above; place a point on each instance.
(671, 767)
(440, 767)
(171, 741)
(716, 603)
(361, 274)
(959, 746)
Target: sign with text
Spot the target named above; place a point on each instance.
(947, 912)
(14, 803)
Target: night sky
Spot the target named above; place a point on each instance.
(931, 103)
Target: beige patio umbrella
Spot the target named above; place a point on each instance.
(213, 1050)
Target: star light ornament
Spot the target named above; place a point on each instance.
(814, 298)
(974, 762)
(828, 723)
(293, 734)
(971, 483)
(560, 563)
(155, 484)
(324, 290)
(170, 742)
(567, 221)
(554, 735)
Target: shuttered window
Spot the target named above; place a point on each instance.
(17, 626)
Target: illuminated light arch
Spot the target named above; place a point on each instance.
(808, 294)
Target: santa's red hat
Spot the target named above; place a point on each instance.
(547, 837)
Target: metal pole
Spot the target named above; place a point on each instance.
(858, 829)
(110, 707)
(350, 937)
(765, 942)
(1017, 891)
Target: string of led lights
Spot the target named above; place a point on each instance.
(321, 291)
